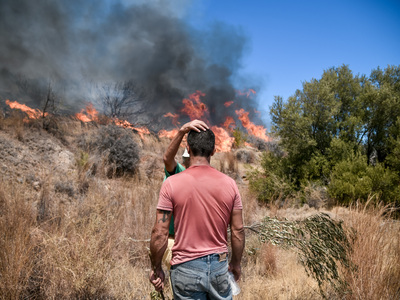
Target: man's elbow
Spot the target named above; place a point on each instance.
(238, 233)
(159, 233)
(166, 159)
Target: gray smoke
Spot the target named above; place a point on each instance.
(77, 47)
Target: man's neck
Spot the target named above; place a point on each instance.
(199, 161)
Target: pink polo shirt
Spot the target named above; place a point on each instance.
(202, 200)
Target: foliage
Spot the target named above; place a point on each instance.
(334, 120)
(354, 179)
(321, 244)
(240, 138)
(270, 183)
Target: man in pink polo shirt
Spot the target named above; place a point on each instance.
(204, 202)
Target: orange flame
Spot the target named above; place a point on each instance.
(229, 123)
(140, 130)
(31, 112)
(228, 103)
(87, 114)
(256, 130)
(168, 134)
(247, 94)
(174, 118)
(223, 141)
(194, 108)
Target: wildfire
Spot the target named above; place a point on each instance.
(228, 103)
(87, 114)
(247, 94)
(229, 123)
(193, 107)
(174, 118)
(168, 134)
(31, 112)
(90, 114)
(223, 141)
(140, 130)
(256, 130)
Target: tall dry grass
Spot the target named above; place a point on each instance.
(85, 236)
(17, 245)
(376, 253)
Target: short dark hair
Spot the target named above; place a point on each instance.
(201, 143)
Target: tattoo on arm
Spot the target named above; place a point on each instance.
(165, 216)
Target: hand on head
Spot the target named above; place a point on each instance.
(196, 125)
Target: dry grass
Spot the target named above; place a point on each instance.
(376, 253)
(92, 242)
(17, 245)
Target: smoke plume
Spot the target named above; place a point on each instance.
(78, 47)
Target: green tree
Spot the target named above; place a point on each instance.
(383, 109)
(341, 131)
(310, 119)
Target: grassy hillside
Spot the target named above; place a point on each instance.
(73, 227)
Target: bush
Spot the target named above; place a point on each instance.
(354, 179)
(245, 155)
(240, 138)
(124, 156)
(116, 146)
(270, 183)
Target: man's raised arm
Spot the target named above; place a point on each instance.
(169, 155)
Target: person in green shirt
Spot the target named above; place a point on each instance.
(172, 167)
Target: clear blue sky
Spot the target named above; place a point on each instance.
(292, 41)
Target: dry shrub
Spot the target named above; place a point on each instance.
(269, 258)
(116, 150)
(17, 244)
(245, 155)
(316, 196)
(228, 164)
(376, 254)
(16, 122)
(44, 205)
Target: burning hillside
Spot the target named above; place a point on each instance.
(139, 64)
(193, 107)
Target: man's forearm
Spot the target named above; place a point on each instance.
(170, 153)
(158, 245)
(237, 242)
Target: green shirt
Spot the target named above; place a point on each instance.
(179, 168)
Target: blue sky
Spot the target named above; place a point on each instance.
(294, 41)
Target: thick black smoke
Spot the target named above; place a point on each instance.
(78, 47)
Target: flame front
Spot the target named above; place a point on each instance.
(31, 112)
(256, 130)
(88, 114)
(194, 108)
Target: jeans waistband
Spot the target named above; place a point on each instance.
(214, 256)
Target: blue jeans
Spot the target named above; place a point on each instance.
(201, 278)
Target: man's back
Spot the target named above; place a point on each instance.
(202, 200)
